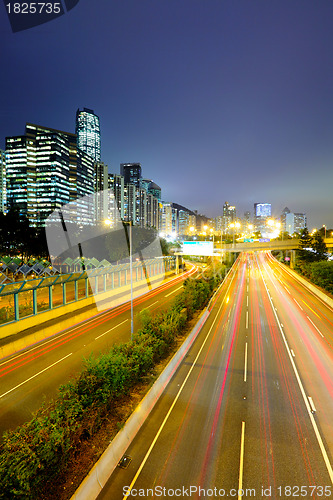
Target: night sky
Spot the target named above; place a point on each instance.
(219, 100)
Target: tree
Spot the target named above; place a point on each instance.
(305, 243)
(319, 247)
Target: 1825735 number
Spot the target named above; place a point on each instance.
(34, 8)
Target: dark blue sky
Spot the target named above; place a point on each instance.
(218, 99)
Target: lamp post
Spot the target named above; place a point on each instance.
(325, 230)
(129, 243)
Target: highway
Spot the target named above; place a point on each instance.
(32, 376)
(249, 412)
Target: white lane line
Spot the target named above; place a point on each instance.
(247, 300)
(299, 305)
(173, 404)
(307, 405)
(287, 290)
(315, 326)
(174, 291)
(292, 353)
(313, 408)
(247, 288)
(245, 362)
(36, 375)
(241, 464)
(99, 336)
(151, 305)
(247, 319)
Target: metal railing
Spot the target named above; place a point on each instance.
(21, 299)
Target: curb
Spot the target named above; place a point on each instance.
(102, 470)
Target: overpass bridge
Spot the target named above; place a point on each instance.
(254, 246)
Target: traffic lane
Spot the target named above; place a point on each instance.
(320, 313)
(32, 377)
(281, 448)
(186, 410)
(314, 359)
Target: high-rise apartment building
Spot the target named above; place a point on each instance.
(2, 181)
(141, 207)
(168, 219)
(87, 129)
(116, 184)
(151, 188)
(132, 173)
(228, 214)
(45, 170)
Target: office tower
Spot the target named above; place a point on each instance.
(284, 214)
(88, 133)
(46, 170)
(295, 222)
(247, 217)
(262, 212)
(132, 173)
(2, 181)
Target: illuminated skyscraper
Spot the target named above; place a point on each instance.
(45, 170)
(88, 133)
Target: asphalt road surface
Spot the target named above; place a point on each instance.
(249, 412)
(32, 376)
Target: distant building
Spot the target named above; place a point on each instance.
(247, 217)
(132, 173)
(285, 212)
(87, 129)
(262, 212)
(116, 184)
(45, 170)
(101, 190)
(168, 219)
(151, 188)
(130, 203)
(228, 214)
(295, 222)
(2, 181)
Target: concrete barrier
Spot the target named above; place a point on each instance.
(102, 470)
(320, 294)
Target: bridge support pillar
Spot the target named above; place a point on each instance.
(292, 259)
(177, 264)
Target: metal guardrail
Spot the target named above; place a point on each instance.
(25, 298)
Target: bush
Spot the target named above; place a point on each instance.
(39, 450)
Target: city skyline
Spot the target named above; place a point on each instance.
(216, 101)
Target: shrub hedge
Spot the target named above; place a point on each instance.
(320, 273)
(37, 451)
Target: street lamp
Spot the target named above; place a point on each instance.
(325, 230)
(129, 243)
